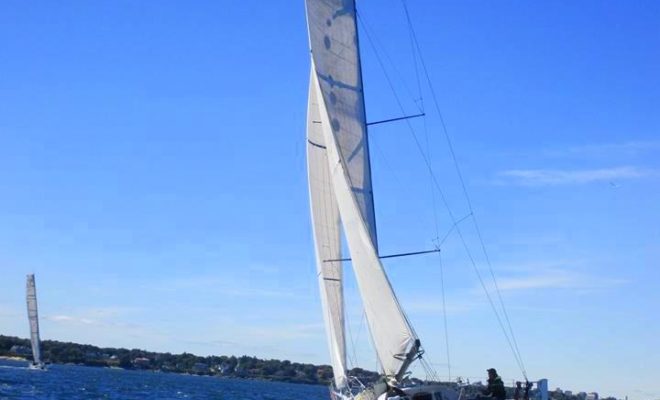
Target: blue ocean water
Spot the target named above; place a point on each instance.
(72, 382)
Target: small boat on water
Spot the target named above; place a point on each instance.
(33, 318)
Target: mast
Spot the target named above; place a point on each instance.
(374, 233)
(337, 84)
(33, 318)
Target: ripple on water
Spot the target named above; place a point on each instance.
(86, 383)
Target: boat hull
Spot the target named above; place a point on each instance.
(421, 392)
(37, 367)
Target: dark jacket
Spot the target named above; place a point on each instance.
(495, 388)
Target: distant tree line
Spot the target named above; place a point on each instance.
(228, 366)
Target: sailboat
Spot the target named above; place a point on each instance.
(33, 317)
(341, 199)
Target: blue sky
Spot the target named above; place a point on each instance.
(152, 175)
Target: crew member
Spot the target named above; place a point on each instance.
(518, 392)
(495, 387)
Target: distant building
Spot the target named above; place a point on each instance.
(592, 396)
(568, 393)
(225, 368)
(167, 367)
(200, 368)
(141, 362)
(20, 350)
(92, 355)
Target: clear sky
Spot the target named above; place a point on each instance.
(152, 175)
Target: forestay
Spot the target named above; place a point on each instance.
(337, 84)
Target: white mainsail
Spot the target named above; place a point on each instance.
(33, 317)
(337, 83)
(333, 40)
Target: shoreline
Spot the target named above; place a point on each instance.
(13, 358)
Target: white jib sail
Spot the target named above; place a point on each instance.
(392, 335)
(327, 239)
(337, 78)
(33, 318)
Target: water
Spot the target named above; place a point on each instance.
(73, 382)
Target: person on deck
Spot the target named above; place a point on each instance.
(518, 392)
(528, 385)
(495, 387)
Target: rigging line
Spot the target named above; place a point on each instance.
(379, 365)
(374, 43)
(444, 312)
(488, 296)
(460, 176)
(451, 214)
(453, 218)
(465, 192)
(366, 30)
(417, 78)
(443, 197)
(441, 242)
(431, 375)
(426, 135)
(359, 332)
(428, 370)
(393, 172)
(437, 234)
(350, 335)
(434, 205)
(435, 215)
(354, 362)
(434, 373)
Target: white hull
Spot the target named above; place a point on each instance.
(422, 392)
(37, 367)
